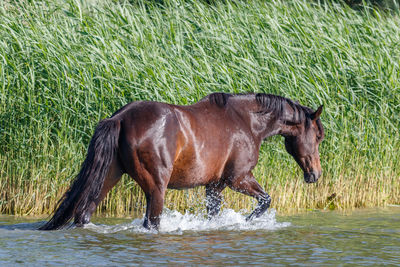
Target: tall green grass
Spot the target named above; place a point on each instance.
(65, 65)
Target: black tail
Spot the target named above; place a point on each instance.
(87, 185)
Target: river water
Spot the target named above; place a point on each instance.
(361, 237)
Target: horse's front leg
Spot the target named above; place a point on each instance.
(248, 185)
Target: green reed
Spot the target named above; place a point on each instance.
(65, 65)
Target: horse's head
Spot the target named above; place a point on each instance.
(303, 144)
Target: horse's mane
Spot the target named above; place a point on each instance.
(268, 103)
(219, 99)
(273, 103)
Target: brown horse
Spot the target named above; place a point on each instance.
(214, 143)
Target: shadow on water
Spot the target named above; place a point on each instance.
(21, 226)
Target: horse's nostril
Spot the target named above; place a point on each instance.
(310, 177)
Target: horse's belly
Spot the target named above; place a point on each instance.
(198, 163)
(189, 178)
(192, 171)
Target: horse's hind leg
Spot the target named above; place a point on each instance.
(113, 176)
(154, 184)
(249, 186)
(213, 199)
(155, 204)
(152, 174)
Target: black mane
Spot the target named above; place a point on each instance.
(219, 99)
(268, 103)
(273, 103)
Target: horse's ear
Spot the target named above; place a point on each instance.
(317, 113)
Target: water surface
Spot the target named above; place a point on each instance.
(362, 237)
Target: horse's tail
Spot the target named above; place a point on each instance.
(87, 185)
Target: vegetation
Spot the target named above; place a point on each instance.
(64, 65)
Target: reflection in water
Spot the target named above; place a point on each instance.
(364, 237)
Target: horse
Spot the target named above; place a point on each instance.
(213, 143)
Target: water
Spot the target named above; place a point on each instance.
(362, 237)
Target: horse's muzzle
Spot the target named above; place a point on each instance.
(311, 177)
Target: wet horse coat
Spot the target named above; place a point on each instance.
(213, 143)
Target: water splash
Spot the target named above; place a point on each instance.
(175, 222)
